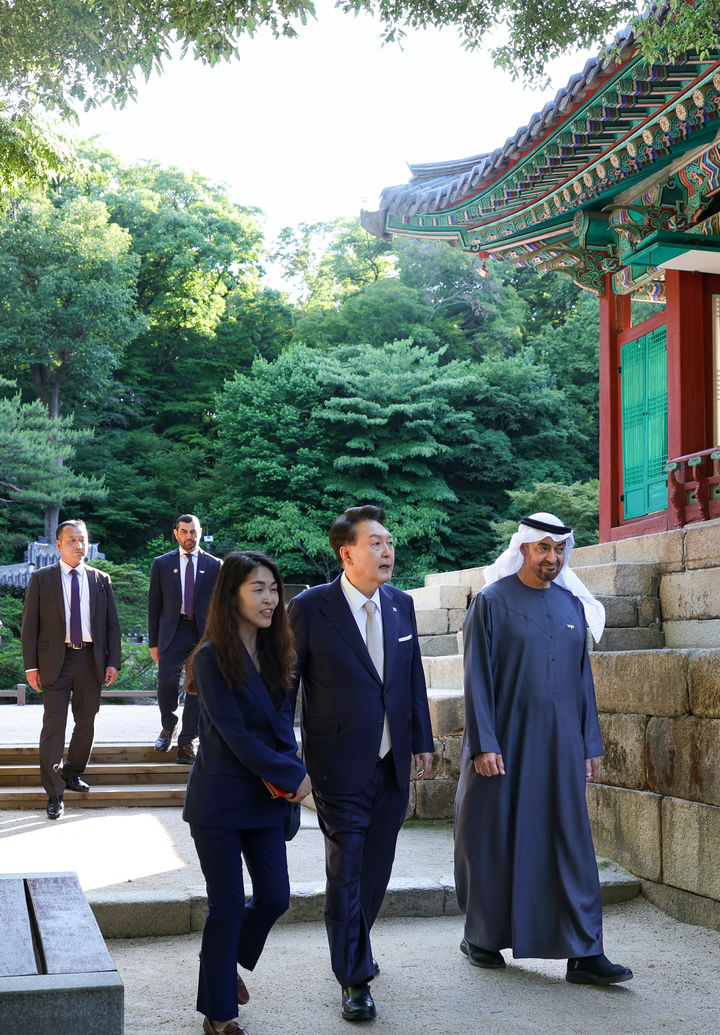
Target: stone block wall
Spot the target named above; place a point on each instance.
(656, 807)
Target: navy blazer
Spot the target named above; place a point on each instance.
(243, 739)
(165, 595)
(344, 699)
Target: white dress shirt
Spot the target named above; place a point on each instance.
(356, 602)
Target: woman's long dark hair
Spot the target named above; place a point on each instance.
(276, 651)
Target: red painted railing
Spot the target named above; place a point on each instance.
(694, 482)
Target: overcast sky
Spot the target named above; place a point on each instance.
(314, 128)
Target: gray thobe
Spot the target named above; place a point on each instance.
(525, 869)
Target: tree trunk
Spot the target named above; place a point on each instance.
(52, 517)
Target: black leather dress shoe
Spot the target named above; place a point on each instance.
(376, 968)
(186, 754)
(596, 970)
(357, 1003)
(55, 807)
(165, 739)
(482, 957)
(74, 783)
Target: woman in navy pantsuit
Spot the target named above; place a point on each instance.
(240, 671)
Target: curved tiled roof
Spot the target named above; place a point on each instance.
(439, 184)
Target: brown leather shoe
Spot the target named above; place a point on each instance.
(230, 1028)
(186, 754)
(165, 739)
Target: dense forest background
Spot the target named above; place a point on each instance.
(146, 369)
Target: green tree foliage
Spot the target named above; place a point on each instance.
(36, 452)
(207, 315)
(12, 669)
(194, 247)
(422, 290)
(571, 351)
(325, 262)
(67, 306)
(576, 505)
(67, 298)
(304, 437)
(130, 589)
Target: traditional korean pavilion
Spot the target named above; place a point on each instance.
(616, 183)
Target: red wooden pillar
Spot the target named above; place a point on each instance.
(686, 362)
(614, 318)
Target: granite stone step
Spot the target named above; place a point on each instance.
(472, 577)
(629, 612)
(621, 580)
(438, 646)
(444, 673)
(452, 597)
(631, 639)
(436, 621)
(447, 712)
(645, 682)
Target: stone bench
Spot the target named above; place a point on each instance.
(55, 970)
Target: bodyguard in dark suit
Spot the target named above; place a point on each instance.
(71, 646)
(364, 715)
(181, 585)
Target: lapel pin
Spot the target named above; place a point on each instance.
(175, 571)
(570, 626)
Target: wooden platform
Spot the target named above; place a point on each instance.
(118, 775)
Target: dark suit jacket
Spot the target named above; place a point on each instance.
(344, 699)
(165, 596)
(43, 623)
(243, 739)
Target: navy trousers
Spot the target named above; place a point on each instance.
(235, 931)
(360, 836)
(170, 663)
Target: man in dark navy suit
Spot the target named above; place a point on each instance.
(364, 714)
(181, 584)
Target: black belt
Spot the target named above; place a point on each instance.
(79, 646)
(188, 618)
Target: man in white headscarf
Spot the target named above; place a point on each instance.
(525, 870)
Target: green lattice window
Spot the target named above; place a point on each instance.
(643, 381)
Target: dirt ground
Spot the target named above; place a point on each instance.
(427, 985)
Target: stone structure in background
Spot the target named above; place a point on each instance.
(656, 806)
(38, 555)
